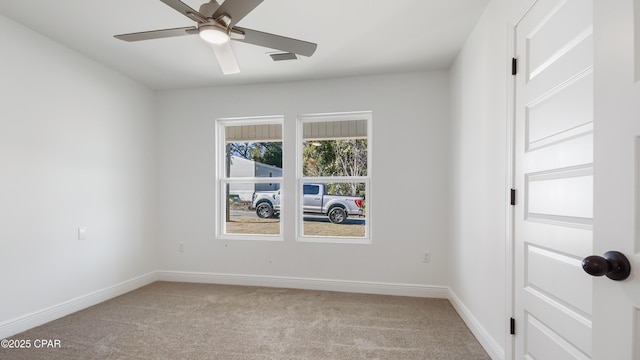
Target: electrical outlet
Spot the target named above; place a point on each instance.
(426, 257)
(181, 247)
(82, 233)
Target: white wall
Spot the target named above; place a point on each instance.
(77, 148)
(479, 217)
(410, 142)
(480, 92)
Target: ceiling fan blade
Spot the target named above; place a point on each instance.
(226, 58)
(186, 10)
(277, 42)
(158, 34)
(236, 9)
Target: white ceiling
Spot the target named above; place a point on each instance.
(354, 37)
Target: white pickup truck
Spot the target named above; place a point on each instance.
(315, 201)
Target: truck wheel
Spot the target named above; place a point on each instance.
(337, 215)
(264, 210)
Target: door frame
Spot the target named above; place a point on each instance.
(510, 247)
(511, 182)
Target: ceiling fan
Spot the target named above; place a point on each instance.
(216, 24)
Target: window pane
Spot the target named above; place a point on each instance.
(334, 148)
(334, 157)
(254, 159)
(249, 164)
(246, 216)
(334, 209)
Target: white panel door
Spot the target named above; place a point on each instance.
(553, 216)
(616, 315)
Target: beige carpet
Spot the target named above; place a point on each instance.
(167, 320)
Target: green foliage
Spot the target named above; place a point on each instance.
(337, 158)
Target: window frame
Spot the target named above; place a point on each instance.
(301, 179)
(222, 178)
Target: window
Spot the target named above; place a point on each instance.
(334, 170)
(249, 176)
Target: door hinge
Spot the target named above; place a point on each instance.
(514, 66)
(512, 326)
(513, 197)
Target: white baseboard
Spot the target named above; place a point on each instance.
(26, 322)
(307, 283)
(495, 351)
(18, 325)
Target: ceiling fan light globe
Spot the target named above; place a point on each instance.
(213, 35)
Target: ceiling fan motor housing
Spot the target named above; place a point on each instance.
(208, 9)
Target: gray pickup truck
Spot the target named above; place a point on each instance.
(315, 201)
